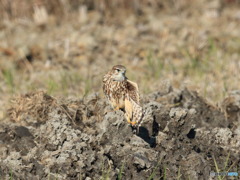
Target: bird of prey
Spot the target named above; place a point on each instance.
(123, 94)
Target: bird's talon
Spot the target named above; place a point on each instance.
(133, 123)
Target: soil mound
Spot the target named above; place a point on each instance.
(182, 136)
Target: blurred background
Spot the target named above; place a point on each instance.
(64, 47)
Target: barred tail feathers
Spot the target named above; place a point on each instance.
(137, 115)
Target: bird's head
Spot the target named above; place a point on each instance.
(118, 73)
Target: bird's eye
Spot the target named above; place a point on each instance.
(118, 70)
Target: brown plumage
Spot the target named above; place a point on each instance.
(123, 94)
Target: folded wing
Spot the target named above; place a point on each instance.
(132, 106)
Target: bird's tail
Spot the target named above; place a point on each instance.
(137, 114)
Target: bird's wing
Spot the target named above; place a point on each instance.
(132, 89)
(105, 88)
(132, 105)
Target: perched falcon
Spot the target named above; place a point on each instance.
(123, 94)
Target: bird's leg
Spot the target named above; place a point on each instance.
(128, 118)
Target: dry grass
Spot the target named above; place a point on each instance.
(66, 50)
(18, 9)
(35, 105)
(22, 9)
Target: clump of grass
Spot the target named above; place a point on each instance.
(52, 86)
(164, 176)
(155, 65)
(225, 168)
(194, 65)
(9, 79)
(67, 81)
(212, 48)
(88, 86)
(11, 175)
(121, 172)
(199, 60)
(106, 172)
(153, 174)
(79, 176)
(179, 173)
(64, 82)
(36, 104)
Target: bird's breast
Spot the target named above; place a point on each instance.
(117, 94)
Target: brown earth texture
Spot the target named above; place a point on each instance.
(55, 122)
(182, 137)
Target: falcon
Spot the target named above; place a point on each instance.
(123, 94)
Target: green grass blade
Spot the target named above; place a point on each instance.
(165, 173)
(121, 172)
(155, 169)
(226, 162)
(9, 79)
(216, 166)
(179, 173)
